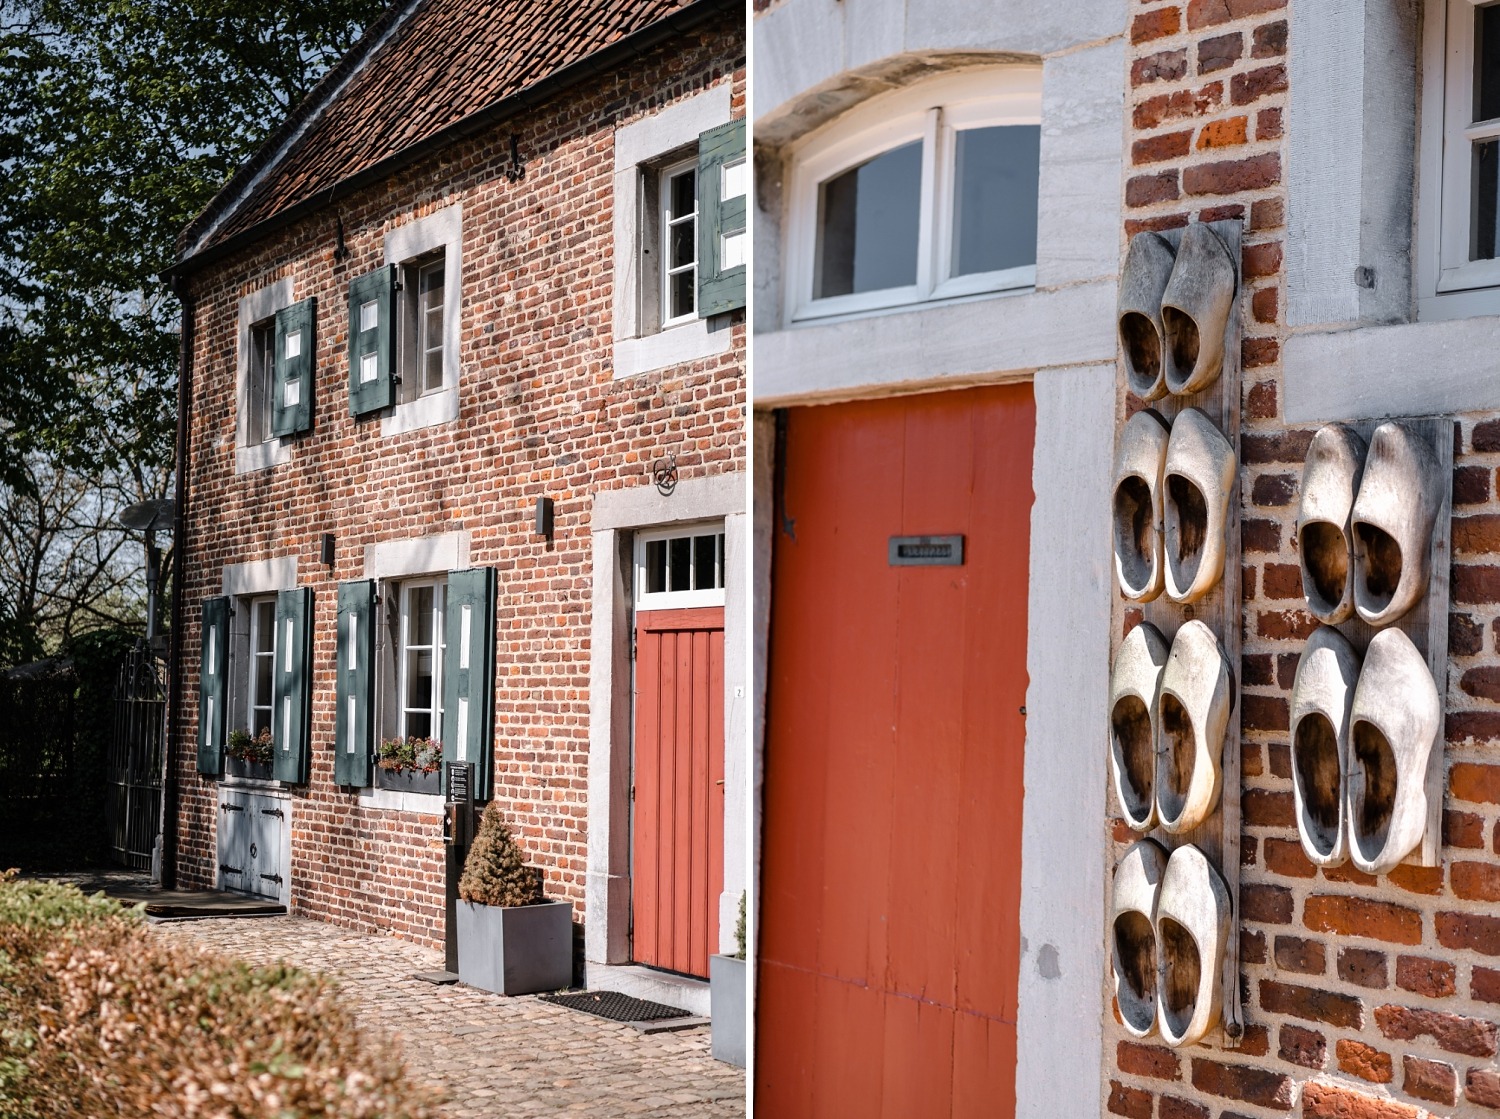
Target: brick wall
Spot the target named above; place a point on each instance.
(1364, 997)
(540, 414)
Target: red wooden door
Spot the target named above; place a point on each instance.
(890, 920)
(677, 868)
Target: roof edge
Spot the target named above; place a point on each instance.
(680, 22)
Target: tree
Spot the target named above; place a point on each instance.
(119, 121)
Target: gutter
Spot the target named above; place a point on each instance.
(604, 61)
(168, 829)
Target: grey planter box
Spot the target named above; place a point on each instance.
(726, 994)
(409, 780)
(516, 950)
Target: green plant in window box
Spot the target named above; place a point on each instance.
(412, 753)
(257, 749)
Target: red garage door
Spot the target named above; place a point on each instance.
(889, 941)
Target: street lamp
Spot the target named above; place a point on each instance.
(147, 517)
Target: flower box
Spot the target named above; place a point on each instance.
(516, 949)
(410, 780)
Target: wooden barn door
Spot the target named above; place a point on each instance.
(677, 868)
(890, 905)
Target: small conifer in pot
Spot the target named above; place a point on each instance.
(495, 872)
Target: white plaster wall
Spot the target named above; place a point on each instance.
(1061, 999)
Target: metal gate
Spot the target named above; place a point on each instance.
(132, 807)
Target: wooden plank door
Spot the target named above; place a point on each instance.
(677, 870)
(890, 904)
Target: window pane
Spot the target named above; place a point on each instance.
(682, 563)
(995, 178)
(684, 193)
(419, 679)
(431, 285)
(682, 244)
(1487, 63)
(265, 626)
(432, 374)
(682, 288)
(1486, 187)
(421, 616)
(867, 225)
(419, 724)
(263, 666)
(656, 566)
(704, 568)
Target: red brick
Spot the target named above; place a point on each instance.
(1282, 581)
(1365, 917)
(1348, 874)
(1465, 636)
(1164, 66)
(1182, 105)
(1475, 881)
(1286, 857)
(1482, 682)
(1484, 984)
(1245, 88)
(1224, 133)
(1264, 712)
(1252, 947)
(1358, 1059)
(1471, 485)
(1147, 1060)
(1173, 1108)
(1255, 172)
(1482, 1086)
(1154, 225)
(1266, 809)
(1463, 829)
(1429, 1080)
(1260, 535)
(1268, 213)
(1417, 879)
(1362, 967)
(1220, 51)
(1473, 931)
(1279, 753)
(1129, 1102)
(1477, 784)
(1262, 260)
(1453, 1032)
(1307, 957)
(1256, 353)
(1260, 402)
(1270, 40)
(1476, 584)
(1334, 1101)
(1281, 446)
(1232, 211)
(1156, 24)
(1476, 534)
(1263, 305)
(1268, 125)
(1255, 1042)
(1311, 1004)
(1207, 13)
(1422, 976)
(1241, 1082)
(1285, 625)
(1301, 1046)
(1486, 436)
(1167, 145)
(1478, 726)
(1143, 190)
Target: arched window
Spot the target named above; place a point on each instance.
(924, 193)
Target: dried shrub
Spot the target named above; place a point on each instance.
(100, 1018)
(495, 873)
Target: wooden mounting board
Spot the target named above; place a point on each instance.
(1218, 837)
(1426, 623)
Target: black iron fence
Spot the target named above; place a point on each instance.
(132, 805)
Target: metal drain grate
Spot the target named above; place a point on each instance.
(616, 1007)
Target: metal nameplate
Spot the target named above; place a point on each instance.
(926, 551)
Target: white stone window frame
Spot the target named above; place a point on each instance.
(245, 584)
(389, 563)
(640, 148)
(679, 600)
(406, 246)
(251, 454)
(932, 112)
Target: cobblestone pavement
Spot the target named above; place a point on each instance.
(493, 1056)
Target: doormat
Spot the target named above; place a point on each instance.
(616, 1007)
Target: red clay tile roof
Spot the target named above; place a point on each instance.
(422, 67)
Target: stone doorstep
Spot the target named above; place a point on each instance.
(668, 1025)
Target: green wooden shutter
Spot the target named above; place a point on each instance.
(372, 322)
(291, 688)
(720, 219)
(354, 692)
(292, 386)
(469, 674)
(213, 686)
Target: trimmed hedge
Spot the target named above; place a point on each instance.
(98, 1018)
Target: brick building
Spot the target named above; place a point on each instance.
(1348, 150)
(462, 459)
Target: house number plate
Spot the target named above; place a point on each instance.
(926, 551)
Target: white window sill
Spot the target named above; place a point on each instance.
(426, 411)
(262, 456)
(691, 341)
(279, 789)
(425, 804)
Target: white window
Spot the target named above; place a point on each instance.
(678, 200)
(926, 193)
(682, 566)
(262, 666)
(428, 255)
(420, 334)
(256, 447)
(419, 660)
(1459, 234)
(262, 361)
